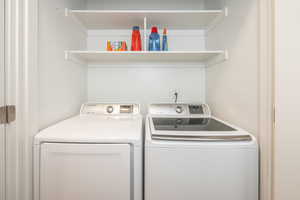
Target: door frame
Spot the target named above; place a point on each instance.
(24, 58)
(2, 100)
(21, 86)
(266, 97)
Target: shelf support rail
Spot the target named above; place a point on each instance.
(145, 34)
(70, 57)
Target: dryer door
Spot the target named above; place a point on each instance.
(85, 171)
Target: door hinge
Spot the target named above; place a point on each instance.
(7, 114)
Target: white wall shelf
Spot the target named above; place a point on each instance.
(125, 19)
(92, 57)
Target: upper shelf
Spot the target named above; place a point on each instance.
(125, 19)
(91, 57)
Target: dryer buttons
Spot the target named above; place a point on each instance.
(109, 109)
(126, 109)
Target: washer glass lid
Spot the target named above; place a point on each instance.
(190, 124)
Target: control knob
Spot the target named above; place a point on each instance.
(179, 109)
(109, 109)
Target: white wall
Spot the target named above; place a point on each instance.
(179, 40)
(232, 86)
(287, 99)
(214, 4)
(145, 85)
(62, 84)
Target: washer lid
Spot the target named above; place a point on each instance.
(195, 129)
(94, 129)
(190, 124)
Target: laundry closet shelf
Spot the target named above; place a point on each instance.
(125, 19)
(208, 57)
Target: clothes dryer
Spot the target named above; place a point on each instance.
(95, 155)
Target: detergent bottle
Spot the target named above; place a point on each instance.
(154, 40)
(136, 42)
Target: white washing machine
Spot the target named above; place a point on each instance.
(191, 155)
(95, 155)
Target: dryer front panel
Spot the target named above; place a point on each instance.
(85, 171)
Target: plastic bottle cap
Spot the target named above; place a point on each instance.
(154, 29)
(136, 28)
(165, 31)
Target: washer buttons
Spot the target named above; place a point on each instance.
(179, 109)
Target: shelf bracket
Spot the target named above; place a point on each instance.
(218, 20)
(218, 59)
(68, 13)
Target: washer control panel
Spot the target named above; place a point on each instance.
(196, 109)
(179, 109)
(109, 109)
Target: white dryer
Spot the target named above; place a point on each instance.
(95, 155)
(191, 155)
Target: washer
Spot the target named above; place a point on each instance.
(191, 155)
(95, 155)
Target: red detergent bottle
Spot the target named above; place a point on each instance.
(136, 42)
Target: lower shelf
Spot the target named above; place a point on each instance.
(146, 56)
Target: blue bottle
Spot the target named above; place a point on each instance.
(165, 41)
(154, 40)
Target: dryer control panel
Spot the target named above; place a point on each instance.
(179, 109)
(109, 109)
